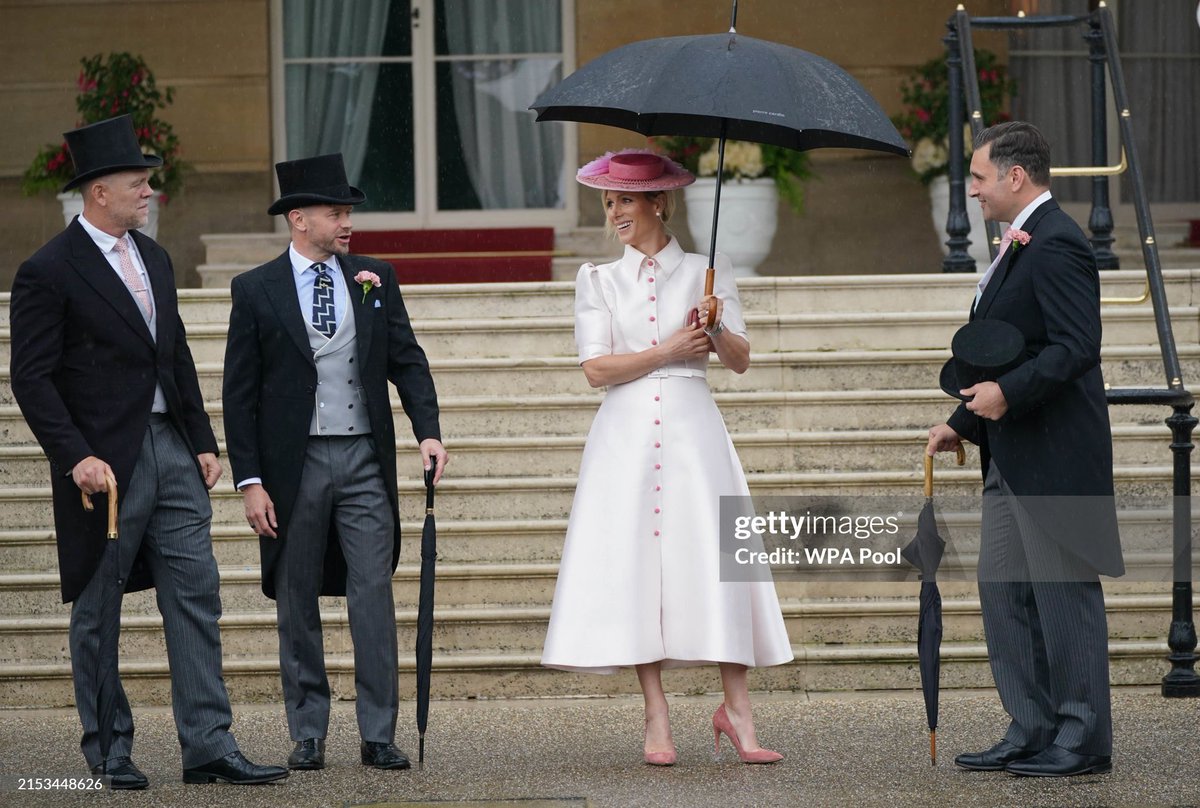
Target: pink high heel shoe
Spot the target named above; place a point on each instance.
(721, 723)
(659, 758)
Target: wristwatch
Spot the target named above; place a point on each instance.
(714, 331)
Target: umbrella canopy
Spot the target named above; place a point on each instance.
(925, 553)
(723, 86)
(425, 614)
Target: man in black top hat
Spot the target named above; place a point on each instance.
(103, 375)
(315, 336)
(1041, 424)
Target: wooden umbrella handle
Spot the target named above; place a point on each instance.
(710, 277)
(960, 455)
(111, 485)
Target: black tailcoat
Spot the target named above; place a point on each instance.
(1055, 440)
(84, 368)
(270, 385)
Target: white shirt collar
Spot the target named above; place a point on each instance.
(300, 264)
(668, 257)
(104, 241)
(1028, 210)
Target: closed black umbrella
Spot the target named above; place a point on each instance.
(723, 86)
(425, 614)
(925, 553)
(106, 673)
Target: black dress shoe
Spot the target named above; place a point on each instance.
(1054, 761)
(234, 768)
(308, 754)
(994, 759)
(383, 756)
(121, 773)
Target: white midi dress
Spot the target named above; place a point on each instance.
(639, 579)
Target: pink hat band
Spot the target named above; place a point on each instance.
(634, 170)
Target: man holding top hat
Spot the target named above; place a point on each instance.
(314, 338)
(103, 376)
(1027, 369)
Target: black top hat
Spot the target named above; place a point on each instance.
(319, 180)
(105, 148)
(984, 350)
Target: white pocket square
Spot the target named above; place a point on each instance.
(378, 305)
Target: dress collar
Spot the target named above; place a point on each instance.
(665, 260)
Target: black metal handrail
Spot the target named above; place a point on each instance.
(1182, 679)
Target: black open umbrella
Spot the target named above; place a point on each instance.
(723, 86)
(425, 614)
(106, 660)
(925, 552)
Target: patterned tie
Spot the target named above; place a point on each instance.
(133, 280)
(991, 270)
(323, 318)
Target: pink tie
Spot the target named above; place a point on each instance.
(987, 276)
(132, 279)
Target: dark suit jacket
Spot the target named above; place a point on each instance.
(84, 367)
(1054, 445)
(270, 382)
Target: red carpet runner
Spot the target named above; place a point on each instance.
(461, 256)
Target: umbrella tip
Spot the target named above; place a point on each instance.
(421, 752)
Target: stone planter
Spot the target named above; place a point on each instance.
(72, 206)
(939, 201)
(749, 216)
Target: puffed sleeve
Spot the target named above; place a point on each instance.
(593, 318)
(725, 288)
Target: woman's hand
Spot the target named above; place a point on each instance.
(689, 342)
(706, 305)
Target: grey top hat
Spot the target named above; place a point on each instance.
(319, 180)
(983, 351)
(105, 148)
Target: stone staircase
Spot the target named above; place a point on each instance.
(840, 393)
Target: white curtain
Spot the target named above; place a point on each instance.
(512, 161)
(328, 106)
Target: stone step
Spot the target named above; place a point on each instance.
(459, 541)
(783, 295)
(565, 415)
(247, 635)
(519, 675)
(531, 498)
(1124, 366)
(846, 331)
(767, 451)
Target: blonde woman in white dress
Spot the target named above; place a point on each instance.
(639, 584)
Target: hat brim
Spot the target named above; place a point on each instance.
(948, 380)
(148, 161)
(666, 182)
(292, 201)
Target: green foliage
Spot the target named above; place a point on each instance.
(789, 168)
(118, 84)
(926, 116)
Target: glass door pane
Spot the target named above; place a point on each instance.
(348, 78)
(492, 58)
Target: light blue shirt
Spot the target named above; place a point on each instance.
(306, 279)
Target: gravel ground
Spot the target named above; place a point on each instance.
(842, 749)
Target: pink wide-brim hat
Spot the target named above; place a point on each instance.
(634, 170)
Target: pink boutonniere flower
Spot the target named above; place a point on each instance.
(369, 281)
(1019, 238)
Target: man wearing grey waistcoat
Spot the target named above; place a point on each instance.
(315, 336)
